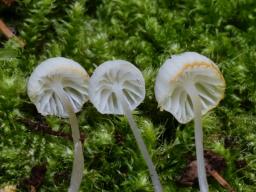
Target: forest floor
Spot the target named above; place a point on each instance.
(36, 152)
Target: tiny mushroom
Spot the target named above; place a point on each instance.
(59, 86)
(118, 87)
(188, 86)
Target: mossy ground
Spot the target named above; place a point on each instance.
(144, 32)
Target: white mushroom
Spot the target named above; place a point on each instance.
(118, 87)
(188, 86)
(59, 86)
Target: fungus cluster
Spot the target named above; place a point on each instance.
(187, 85)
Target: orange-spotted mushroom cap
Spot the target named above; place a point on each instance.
(53, 72)
(188, 67)
(113, 75)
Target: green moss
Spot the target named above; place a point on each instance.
(145, 32)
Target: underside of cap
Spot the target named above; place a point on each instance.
(62, 73)
(186, 69)
(109, 77)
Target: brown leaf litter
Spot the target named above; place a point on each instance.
(214, 164)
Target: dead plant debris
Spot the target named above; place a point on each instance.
(8, 3)
(42, 127)
(9, 34)
(214, 164)
(34, 182)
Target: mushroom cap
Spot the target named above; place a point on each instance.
(53, 72)
(111, 75)
(187, 68)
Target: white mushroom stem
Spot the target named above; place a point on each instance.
(197, 107)
(139, 140)
(78, 163)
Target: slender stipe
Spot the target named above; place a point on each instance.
(140, 142)
(197, 107)
(78, 163)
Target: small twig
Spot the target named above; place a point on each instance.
(5, 30)
(45, 129)
(219, 178)
(9, 34)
